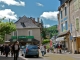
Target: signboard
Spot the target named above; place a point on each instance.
(22, 37)
(13, 37)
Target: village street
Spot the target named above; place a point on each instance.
(48, 56)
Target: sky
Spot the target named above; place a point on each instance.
(46, 10)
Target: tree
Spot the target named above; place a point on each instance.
(6, 28)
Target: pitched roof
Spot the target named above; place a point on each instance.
(25, 22)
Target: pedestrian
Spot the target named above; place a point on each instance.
(42, 49)
(16, 49)
(2, 49)
(60, 48)
(57, 47)
(6, 50)
(12, 50)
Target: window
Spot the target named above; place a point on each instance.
(15, 33)
(22, 23)
(77, 23)
(65, 11)
(66, 25)
(61, 14)
(76, 5)
(79, 3)
(62, 27)
(29, 32)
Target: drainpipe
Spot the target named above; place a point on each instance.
(70, 27)
(75, 30)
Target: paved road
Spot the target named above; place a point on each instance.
(63, 56)
(48, 56)
(2, 57)
(9, 58)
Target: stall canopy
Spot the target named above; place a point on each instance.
(60, 39)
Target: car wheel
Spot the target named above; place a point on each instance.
(37, 56)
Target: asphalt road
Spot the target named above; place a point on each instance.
(48, 56)
(2, 57)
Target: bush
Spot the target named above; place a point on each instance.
(45, 41)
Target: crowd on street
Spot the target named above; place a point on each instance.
(6, 49)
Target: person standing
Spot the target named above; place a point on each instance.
(2, 49)
(42, 49)
(6, 50)
(60, 48)
(11, 50)
(16, 50)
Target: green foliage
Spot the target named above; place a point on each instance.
(51, 31)
(6, 28)
(48, 47)
(43, 34)
(45, 41)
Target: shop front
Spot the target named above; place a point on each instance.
(23, 40)
(78, 45)
(66, 41)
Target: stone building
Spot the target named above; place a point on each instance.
(28, 31)
(69, 18)
(75, 22)
(64, 23)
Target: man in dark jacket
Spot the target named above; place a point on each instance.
(2, 49)
(7, 50)
(16, 49)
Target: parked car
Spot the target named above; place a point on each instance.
(31, 50)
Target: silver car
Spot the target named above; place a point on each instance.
(31, 50)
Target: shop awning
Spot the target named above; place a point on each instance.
(22, 37)
(60, 39)
(7, 41)
(64, 33)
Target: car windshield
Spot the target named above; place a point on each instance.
(32, 47)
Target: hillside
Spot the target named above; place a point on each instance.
(51, 31)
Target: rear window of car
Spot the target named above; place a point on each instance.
(32, 47)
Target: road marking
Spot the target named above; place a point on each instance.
(24, 58)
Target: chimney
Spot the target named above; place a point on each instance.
(38, 20)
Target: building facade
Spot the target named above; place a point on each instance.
(64, 23)
(75, 19)
(28, 31)
(69, 18)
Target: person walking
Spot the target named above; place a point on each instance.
(60, 48)
(11, 50)
(42, 49)
(16, 50)
(2, 49)
(6, 50)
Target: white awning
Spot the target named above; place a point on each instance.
(60, 39)
(7, 41)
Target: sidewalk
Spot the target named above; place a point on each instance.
(52, 56)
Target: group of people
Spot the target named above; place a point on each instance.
(58, 47)
(13, 49)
